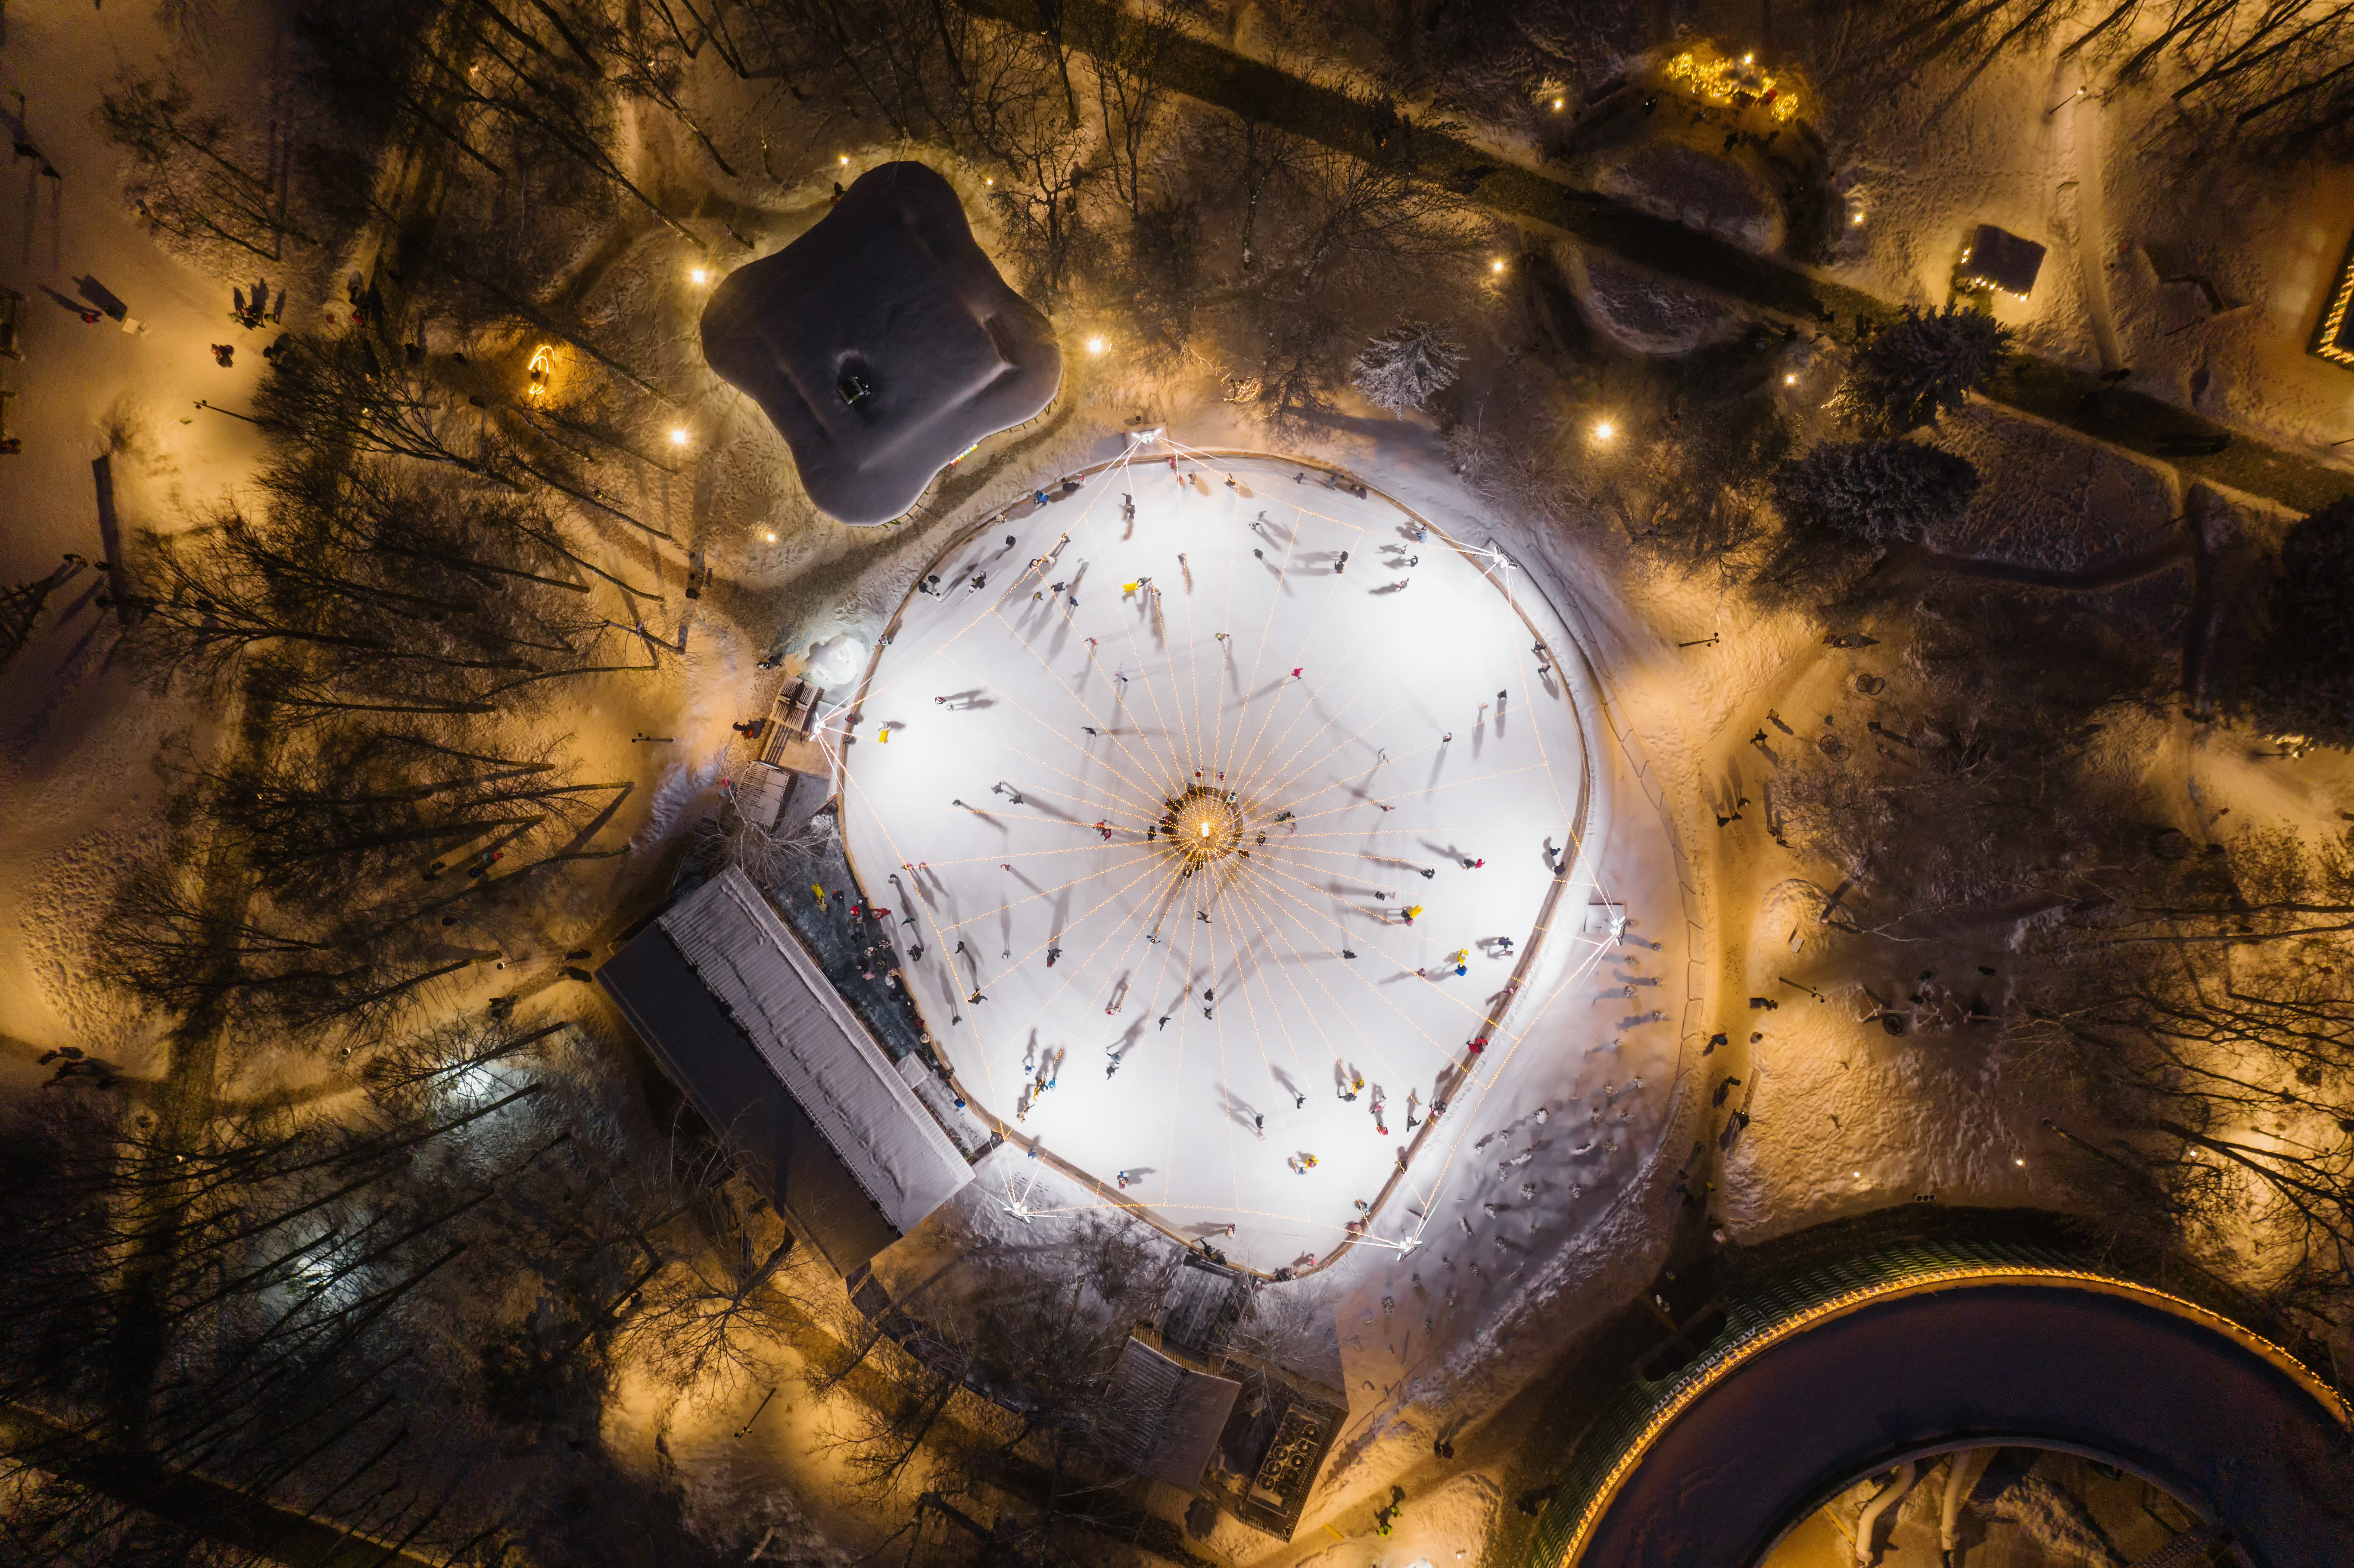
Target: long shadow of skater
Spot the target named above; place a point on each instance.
(1284, 1079)
(76, 306)
(104, 298)
(1240, 1110)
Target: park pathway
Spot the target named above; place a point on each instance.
(2045, 388)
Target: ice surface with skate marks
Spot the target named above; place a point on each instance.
(1169, 834)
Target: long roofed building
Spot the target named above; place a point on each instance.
(753, 1033)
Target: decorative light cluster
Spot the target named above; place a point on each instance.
(1721, 79)
(1972, 281)
(2326, 341)
(1205, 825)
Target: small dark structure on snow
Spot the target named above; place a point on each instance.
(1165, 1409)
(1997, 258)
(882, 343)
(747, 1026)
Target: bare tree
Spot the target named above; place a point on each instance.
(1045, 227)
(2219, 1092)
(195, 177)
(715, 1311)
(1260, 156)
(991, 1382)
(2265, 74)
(1361, 214)
(1128, 52)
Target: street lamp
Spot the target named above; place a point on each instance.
(678, 435)
(1604, 431)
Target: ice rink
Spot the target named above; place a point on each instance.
(1159, 789)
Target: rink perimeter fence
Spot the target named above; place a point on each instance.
(1581, 639)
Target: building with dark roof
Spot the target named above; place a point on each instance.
(882, 343)
(1165, 1410)
(1997, 258)
(748, 1028)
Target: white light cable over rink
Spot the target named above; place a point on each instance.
(1229, 812)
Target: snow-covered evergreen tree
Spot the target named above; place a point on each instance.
(1914, 369)
(1402, 367)
(1872, 493)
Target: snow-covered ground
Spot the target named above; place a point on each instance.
(2136, 233)
(1846, 1120)
(78, 736)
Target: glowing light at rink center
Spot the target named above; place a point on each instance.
(1206, 825)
